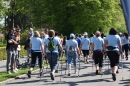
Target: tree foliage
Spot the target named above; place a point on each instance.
(67, 16)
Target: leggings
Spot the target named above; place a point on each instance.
(98, 58)
(34, 56)
(113, 57)
(126, 48)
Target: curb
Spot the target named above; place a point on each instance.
(4, 82)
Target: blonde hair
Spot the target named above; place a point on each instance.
(36, 34)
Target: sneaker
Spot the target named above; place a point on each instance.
(114, 76)
(29, 74)
(13, 71)
(100, 73)
(126, 58)
(117, 71)
(76, 71)
(87, 61)
(52, 76)
(9, 72)
(96, 72)
(16, 69)
(69, 73)
(40, 74)
(56, 71)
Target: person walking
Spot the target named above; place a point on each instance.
(72, 51)
(113, 48)
(125, 40)
(98, 47)
(36, 51)
(51, 51)
(85, 46)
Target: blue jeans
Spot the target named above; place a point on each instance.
(53, 60)
(70, 58)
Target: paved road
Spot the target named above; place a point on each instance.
(3, 63)
(85, 77)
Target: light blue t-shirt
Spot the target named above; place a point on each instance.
(36, 44)
(72, 42)
(85, 43)
(56, 42)
(124, 40)
(113, 41)
(98, 43)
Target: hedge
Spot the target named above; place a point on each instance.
(3, 54)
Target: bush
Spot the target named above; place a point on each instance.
(3, 54)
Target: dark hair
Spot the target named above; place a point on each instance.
(64, 40)
(91, 35)
(126, 35)
(56, 33)
(102, 35)
(112, 31)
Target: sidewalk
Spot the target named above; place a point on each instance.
(85, 77)
(3, 63)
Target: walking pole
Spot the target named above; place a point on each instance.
(61, 66)
(122, 67)
(79, 66)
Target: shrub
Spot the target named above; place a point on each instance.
(3, 54)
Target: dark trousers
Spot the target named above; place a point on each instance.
(34, 56)
(113, 57)
(126, 48)
(98, 58)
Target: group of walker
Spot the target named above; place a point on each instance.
(49, 45)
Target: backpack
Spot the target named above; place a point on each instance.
(71, 51)
(51, 45)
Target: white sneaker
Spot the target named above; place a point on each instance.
(16, 69)
(13, 71)
(9, 72)
(76, 71)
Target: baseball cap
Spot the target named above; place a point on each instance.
(85, 33)
(72, 35)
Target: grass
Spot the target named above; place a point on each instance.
(4, 76)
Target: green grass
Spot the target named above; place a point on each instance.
(4, 76)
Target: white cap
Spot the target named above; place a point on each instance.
(31, 28)
(72, 35)
(85, 33)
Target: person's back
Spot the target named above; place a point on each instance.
(35, 41)
(85, 43)
(98, 42)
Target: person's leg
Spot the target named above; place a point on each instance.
(87, 56)
(9, 55)
(95, 56)
(12, 61)
(74, 61)
(100, 62)
(33, 61)
(84, 54)
(69, 64)
(40, 61)
(126, 47)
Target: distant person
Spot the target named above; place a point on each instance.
(46, 33)
(10, 50)
(31, 32)
(85, 46)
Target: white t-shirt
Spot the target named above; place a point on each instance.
(56, 42)
(113, 41)
(36, 44)
(98, 43)
(124, 40)
(85, 43)
(72, 42)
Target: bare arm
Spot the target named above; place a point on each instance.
(105, 44)
(120, 46)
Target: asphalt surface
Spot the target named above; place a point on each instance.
(86, 76)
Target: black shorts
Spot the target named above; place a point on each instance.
(85, 52)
